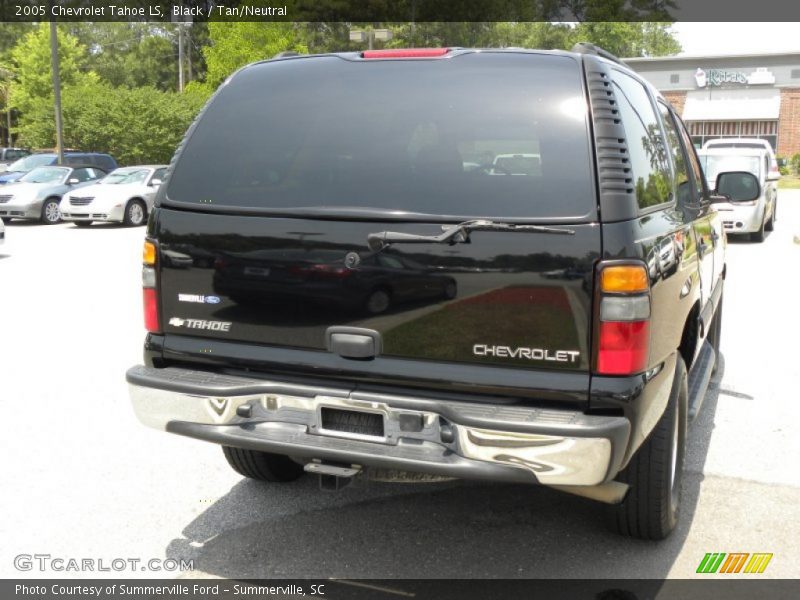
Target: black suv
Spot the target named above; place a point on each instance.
(437, 263)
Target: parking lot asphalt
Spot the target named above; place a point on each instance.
(81, 478)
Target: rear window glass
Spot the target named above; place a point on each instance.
(494, 135)
(735, 145)
(714, 165)
(45, 175)
(33, 161)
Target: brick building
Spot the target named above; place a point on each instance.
(748, 95)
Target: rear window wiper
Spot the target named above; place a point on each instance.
(455, 234)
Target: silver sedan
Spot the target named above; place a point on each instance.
(37, 194)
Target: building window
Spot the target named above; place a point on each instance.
(674, 78)
(702, 131)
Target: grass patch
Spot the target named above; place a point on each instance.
(789, 182)
(450, 333)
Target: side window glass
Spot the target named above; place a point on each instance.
(645, 141)
(390, 262)
(159, 174)
(80, 174)
(683, 184)
(694, 163)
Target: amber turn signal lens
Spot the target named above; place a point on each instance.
(624, 278)
(149, 253)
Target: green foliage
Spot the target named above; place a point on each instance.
(130, 54)
(10, 34)
(794, 164)
(621, 38)
(34, 83)
(234, 44)
(135, 125)
(116, 77)
(629, 39)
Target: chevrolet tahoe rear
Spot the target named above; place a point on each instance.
(343, 276)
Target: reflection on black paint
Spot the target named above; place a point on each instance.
(321, 278)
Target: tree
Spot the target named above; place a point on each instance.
(627, 39)
(31, 55)
(10, 34)
(141, 54)
(234, 44)
(136, 125)
(129, 53)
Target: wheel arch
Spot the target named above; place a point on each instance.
(136, 199)
(690, 335)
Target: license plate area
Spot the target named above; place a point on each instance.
(257, 271)
(356, 423)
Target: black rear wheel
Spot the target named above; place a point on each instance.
(262, 465)
(655, 473)
(770, 226)
(758, 236)
(378, 301)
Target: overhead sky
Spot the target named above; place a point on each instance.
(737, 38)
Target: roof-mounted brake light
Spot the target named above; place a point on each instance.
(406, 53)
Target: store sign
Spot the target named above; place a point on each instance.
(718, 77)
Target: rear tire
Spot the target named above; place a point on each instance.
(758, 236)
(770, 226)
(51, 214)
(655, 473)
(135, 214)
(262, 466)
(378, 301)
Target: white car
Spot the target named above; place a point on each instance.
(747, 144)
(125, 196)
(517, 164)
(753, 207)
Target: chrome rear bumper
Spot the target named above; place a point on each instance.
(454, 439)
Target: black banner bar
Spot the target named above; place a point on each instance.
(733, 588)
(365, 11)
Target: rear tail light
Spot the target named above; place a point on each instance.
(406, 53)
(322, 271)
(152, 320)
(622, 337)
